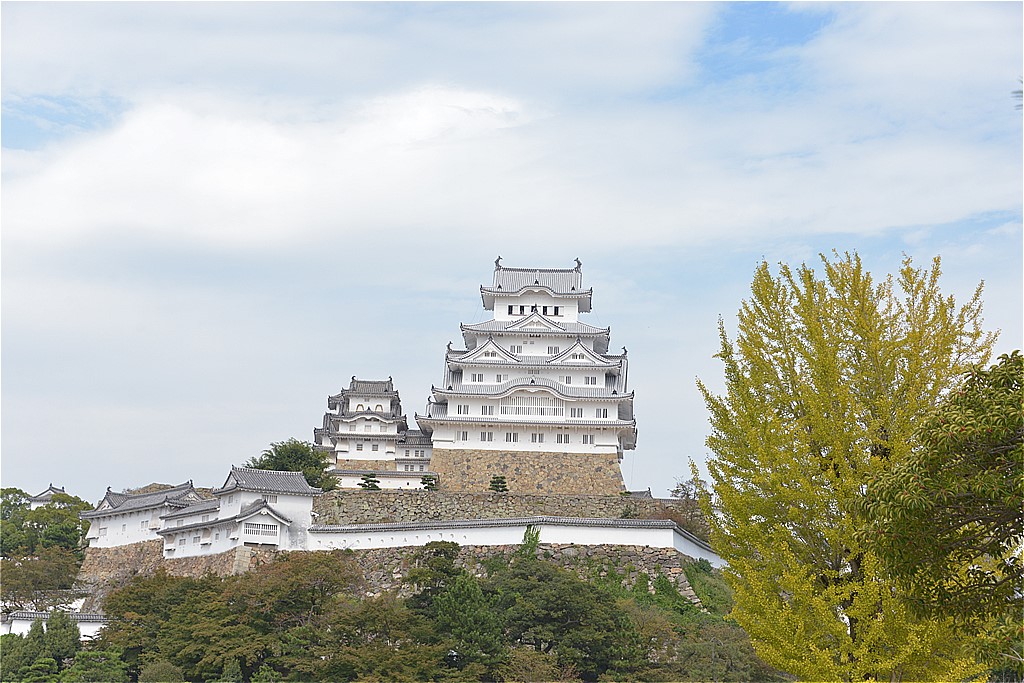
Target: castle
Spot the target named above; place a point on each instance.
(534, 397)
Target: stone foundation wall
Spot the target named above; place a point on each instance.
(384, 569)
(528, 472)
(376, 507)
(375, 465)
(107, 568)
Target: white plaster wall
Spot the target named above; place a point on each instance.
(133, 531)
(568, 309)
(412, 481)
(88, 629)
(357, 538)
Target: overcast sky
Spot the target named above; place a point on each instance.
(215, 214)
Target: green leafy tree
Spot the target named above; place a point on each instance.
(464, 614)
(14, 539)
(62, 638)
(498, 484)
(296, 456)
(552, 610)
(949, 519)
(429, 482)
(96, 665)
(161, 671)
(41, 581)
(826, 381)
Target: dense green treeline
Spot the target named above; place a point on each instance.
(306, 617)
(40, 550)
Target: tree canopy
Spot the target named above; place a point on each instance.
(949, 518)
(825, 384)
(296, 456)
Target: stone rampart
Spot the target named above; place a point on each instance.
(106, 568)
(374, 465)
(379, 507)
(528, 472)
(384, 569)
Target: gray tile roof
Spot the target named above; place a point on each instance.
(74, 616)
(202, 506)
(47, 494)
(580, 328)
(558, 280)
(246, 512)
(176, 496)
(270, 481)
(414, 437)
(570, 391)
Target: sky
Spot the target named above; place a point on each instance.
(214, 214)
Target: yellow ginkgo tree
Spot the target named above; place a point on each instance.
(828, 376)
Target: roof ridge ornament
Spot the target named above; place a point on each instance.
(497, 263)
(579, 264)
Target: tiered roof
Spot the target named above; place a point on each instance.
(267, 481)
(178, 496)
(563, 283)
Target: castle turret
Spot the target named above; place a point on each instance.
(534, 396)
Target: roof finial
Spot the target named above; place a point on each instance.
(579, 264)
(449, 345)
(624, 352)
(497, 263)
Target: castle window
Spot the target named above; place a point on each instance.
(463, 409)
(487, 436)
(124, 528)
(500, 377)
(421, 468)
(490, 354)
(552, 350)
(359, 446)
(216, 536)
(383, 428)
(206, 518)
(562, 438)
(511, 437)
(575, 412)
(516, 348)
(601, 412)
(537, 438)
(144, 524)
(487, 410)
(462, 436)
(577, 356)
(103, 530)
(590, 380)
(510, 309)
(408, 468)
(477, 377)
(419, 454)
(375, 447)
(195, 540)
(545, 310)
(254, 529)
(567, 379)
(407, 452)
(588, 438)
(181, 541)
(534, 371)
(556, 310)
(522, 310)
(351, 428)
(269, 497)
